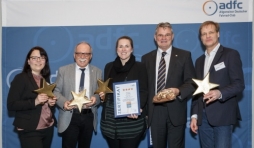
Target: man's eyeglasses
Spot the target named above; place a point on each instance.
(166, 35)
(35, 58)
(79, 54)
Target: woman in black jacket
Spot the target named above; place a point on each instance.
(34, 116)
(124, 132)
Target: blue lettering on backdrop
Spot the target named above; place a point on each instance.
(103, 41)
(59, 42)
(228, 9)
(231, 5)
(61, 47)
(230, 38)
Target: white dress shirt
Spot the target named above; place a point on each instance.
(87, 80)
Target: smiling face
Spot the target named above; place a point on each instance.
(36, 62)
(209, 36)
(164, 37)
(124, 49)
(83, 55)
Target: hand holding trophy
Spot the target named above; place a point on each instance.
(204, 85)
(47, 89)
(164, 95)
(79, 99)
(103, 87)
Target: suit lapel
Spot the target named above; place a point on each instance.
(201, 68)
(153, 66)
(92, 79)
(172, 64)
(72, 74)
(31, 79)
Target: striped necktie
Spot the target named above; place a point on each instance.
(161, 73)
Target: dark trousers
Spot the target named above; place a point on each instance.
(36, 138)
(125, 143)
(164, 132)
(80, 130)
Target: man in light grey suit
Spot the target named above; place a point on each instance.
(75, 126)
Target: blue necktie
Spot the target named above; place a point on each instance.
(82, 80)
(161, 73)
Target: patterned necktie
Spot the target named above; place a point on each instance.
(161, 73)
(82, 80)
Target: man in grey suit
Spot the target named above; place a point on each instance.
(168, 120)
(75, 126)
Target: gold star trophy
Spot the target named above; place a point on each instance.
(46, 88)
(79, 99)
(163, 96)
(204, 85)
(103, 87)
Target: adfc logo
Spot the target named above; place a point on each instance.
(210, 8)
(228, 9)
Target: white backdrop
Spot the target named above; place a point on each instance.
(109, 12)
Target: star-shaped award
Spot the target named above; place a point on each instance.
(204, 86)
(103, 87)
(79, 99)
(46, 88)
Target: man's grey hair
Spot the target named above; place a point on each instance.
(164, 25)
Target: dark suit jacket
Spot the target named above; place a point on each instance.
(230, 78)
(180, 74)
(21, 99)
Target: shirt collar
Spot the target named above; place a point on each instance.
(78, 67)
(214, 51)
(168, 51)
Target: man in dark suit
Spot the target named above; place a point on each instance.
(214, 113)
(168, 120)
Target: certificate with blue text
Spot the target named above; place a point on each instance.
(126, 98)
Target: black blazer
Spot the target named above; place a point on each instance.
(137, 72)
(230, 78)
(21, 99)
(180, 74)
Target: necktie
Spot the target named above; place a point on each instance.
(161, 73)
(82, 80)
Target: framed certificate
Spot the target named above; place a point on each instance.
(126, 98)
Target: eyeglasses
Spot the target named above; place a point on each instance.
(166, 35)
(209, 33)
(35, 58)
(79, 54)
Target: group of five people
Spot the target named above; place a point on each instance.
(212, 114)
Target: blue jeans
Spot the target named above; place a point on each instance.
(214, 136)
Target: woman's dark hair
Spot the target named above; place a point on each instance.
(124, 37)
(45, 72)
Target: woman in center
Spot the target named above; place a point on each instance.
(124, 132)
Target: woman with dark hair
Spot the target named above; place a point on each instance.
(34, 113)
(125, 132)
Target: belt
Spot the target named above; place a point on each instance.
(83, 111)
(161, 104)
